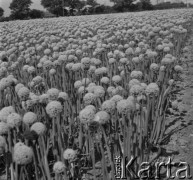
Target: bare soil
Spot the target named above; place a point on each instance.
(179, 140)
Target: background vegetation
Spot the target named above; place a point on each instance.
(20, 9)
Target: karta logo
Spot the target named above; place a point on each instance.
(125, 168)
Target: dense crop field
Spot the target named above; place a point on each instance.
(77, 92)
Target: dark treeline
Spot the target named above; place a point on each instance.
(20, 9)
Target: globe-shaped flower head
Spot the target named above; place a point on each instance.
(136, 75)
(108, 106)
(133, 82)
(5, 112)
(99, 91)
(59, 167)
(63, 96)
(14, 120)
(38, 127)
(22, 154)
(69, 154)
(44, 98)
(105, 80)
(152, 90)
(178, 69)
(116, 98)
(89, 98)
(29, 118)
(18, 87)
(86, 115)
(116, 79)
(110, 90)
(102, 117)
(135, 90)
(125, 106)
(85, 81)
(77, 84)
(53, 93)
(23, 93)
(154, 67)
(91, 107)
(54, 108)
(86, 61)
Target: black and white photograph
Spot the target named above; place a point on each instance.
(96, 89)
